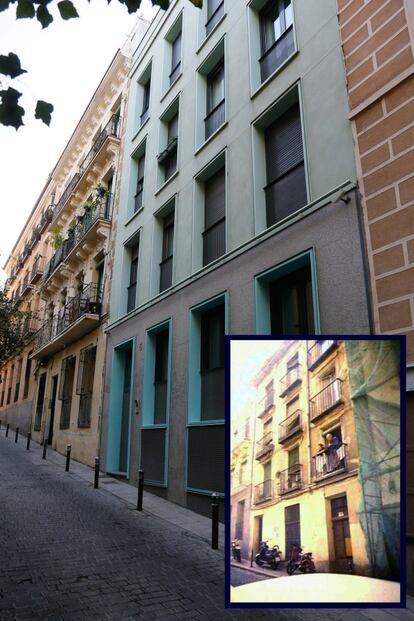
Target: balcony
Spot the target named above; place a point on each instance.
(319, 351)
(26, 286)
(78, 317)
(263, 491)
(214, 119)
(30, 326)
(37, 269)
(88, 227)
(46, 218)
(290, 479)
(110, 131)
(266, 405)
(277, 53)
(289, 427)
(265, 446)
(329, 462)
(326, 400)
(290, 380)
(241, 449)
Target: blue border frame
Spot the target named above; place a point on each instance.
(403, 560)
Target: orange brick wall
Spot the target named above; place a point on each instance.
(377, 42)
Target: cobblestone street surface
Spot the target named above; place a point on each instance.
(70, 552)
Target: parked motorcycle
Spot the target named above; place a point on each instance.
(269, 556)
(302, 561)
(235, 549)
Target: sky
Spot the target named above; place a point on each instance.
(246, 359)
(65, 63)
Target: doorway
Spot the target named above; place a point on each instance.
(257, 533)
(292, 528)
(341, 534)
(52, 408)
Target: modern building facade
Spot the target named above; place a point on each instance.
(238, 213)
(325, 473)
(378, 46)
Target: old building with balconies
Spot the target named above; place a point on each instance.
(313, 440)
(61, 268)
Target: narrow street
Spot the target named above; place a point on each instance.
(71, 552)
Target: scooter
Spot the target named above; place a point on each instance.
(302, 561)
(269, 556)
(235, 549)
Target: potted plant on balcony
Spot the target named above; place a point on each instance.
(100, 190)
(56, 238)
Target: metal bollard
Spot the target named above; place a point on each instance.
(68, 449)
(16, 437)
(214, 522)
(140, 489)
(7, 429)
(29, 437)
(251, 558)
(0, 423)
(96, 483)
(44, 448)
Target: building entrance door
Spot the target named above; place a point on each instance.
(292, 528)
(341, 534)
(52, 408)
(125, 415)
(257, 533)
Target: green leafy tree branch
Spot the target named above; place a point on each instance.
(11, 113)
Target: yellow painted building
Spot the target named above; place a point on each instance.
(306, 487)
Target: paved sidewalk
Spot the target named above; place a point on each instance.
(260, 571)
(152, 504)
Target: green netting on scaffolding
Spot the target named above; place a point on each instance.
(374, 372)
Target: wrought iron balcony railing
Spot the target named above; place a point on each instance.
(37, 269)
(325, 400)
(330, 461)
(263, 491)
(110, 129)
(47, 216)
(265, 445)
(291, 379)
(88, 301)
(26, 286)
(318, 352)
(291, 425)
(290, 479)
(266, 403)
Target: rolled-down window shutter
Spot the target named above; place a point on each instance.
(215, 199)
(86, 370)
(66, 377)
(284, 147)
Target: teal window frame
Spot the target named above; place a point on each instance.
(261, 289)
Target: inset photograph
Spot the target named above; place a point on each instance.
(315, 443)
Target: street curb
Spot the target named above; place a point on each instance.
(254, 570)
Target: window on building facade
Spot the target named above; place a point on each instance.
(40, 403)
(84, 385)
(161, 377)
(145, 100)
(140, 183)
(175, 59)
(168, 157)
(133, 276)
(212, 363)
(269, 400)
(215, 106)
(285, 189)
(3, 389)
(215, 11)
(276, 35)
(9, 388)
(67, 376)
(166, 264)
(214, 234)
(17, 384)
(291, 305)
